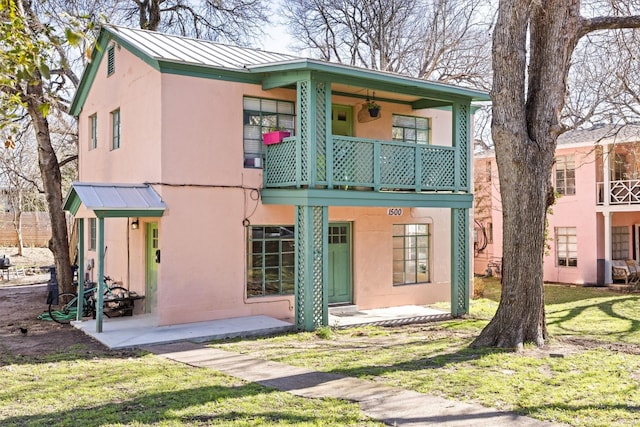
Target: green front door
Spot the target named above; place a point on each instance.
(341, 120)
(339, 263)
(152, 261)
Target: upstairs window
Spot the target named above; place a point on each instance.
(261, 116)
(410, 129)
(93, 131)
(111, 60)
(619, 171)
(115, 129)
(566, 175)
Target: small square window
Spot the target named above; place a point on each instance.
(260, 116)
(410, 129)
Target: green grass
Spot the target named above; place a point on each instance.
(591, 384)
(588, 376)
(149, 390)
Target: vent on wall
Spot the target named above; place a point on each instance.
(111, 60)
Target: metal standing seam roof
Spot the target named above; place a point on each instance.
(596, 135)
(163, 47)
(601, 134)
(160, 50)
(116, 197)
(188, 50)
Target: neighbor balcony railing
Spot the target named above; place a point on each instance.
(358, 163)
(620, 192)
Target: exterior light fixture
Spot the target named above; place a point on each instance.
(135, 224)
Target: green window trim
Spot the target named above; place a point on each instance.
(270, 261)
(411, 254)
(413, 129)
(566, 247)
(93, 131)
(91, 224)
(260, 115)
(115, 129)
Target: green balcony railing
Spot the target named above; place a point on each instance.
(362, 164)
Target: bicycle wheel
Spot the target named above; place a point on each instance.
(66, 310)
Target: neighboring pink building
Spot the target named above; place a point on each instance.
(207, 222)
(596, 217)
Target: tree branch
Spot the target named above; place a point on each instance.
(608, 23)
(69, 159)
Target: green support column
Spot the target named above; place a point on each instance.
(460, 260)
(460, 235)
(100, 296)
(312, 224)
(313, 100)
(461, 121)
(312, 230)
(80, 267)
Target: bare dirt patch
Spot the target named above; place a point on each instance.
(22, 334)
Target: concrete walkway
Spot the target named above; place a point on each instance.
(393, 406)
(143, 329)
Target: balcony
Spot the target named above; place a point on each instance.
(620, 192)
(362, 164)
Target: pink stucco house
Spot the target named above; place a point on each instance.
(180, 200)
(595, 222)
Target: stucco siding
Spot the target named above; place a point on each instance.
(135, 89)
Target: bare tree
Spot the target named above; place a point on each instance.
(533, 44)
(34, 70)
(42, 47)
(18, 167)
(230, 20)
(445, 40)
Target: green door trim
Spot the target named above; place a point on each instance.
(341, 120)
(340, 260)
(152, 259)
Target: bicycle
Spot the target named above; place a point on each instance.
(67, 308)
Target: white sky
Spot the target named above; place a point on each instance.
(277, 40)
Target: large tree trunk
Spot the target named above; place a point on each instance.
(52, 181)
(149, 14)
(525, 127)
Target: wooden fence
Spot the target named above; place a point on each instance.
(36, 229)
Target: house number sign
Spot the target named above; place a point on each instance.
(394, 211)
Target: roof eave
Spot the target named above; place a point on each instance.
(89, 74)
(366, 75)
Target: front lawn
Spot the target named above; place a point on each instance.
(587, 376)
(144, 389)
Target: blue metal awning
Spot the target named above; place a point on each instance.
(115, 200)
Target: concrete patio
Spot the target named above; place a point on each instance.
(144, 330)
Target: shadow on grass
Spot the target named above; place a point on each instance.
(610, 314)
(75, 352)
(436, 361)
(164, 407)
(541, 412)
